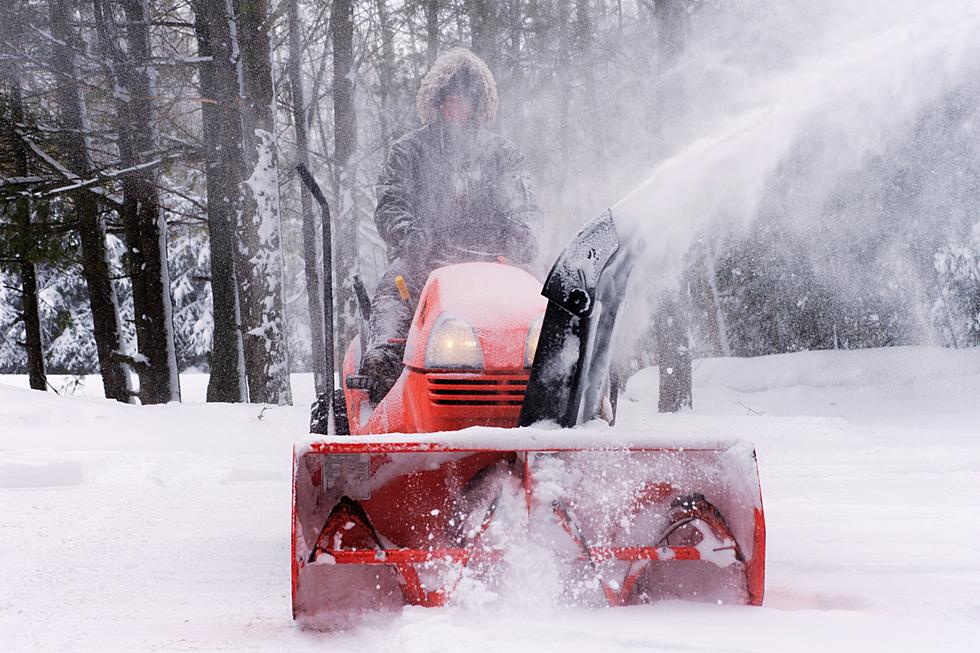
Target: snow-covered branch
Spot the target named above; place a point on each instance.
(21, 186)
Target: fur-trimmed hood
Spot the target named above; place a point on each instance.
(457, 60)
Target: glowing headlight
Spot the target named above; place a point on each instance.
(531, 346)
(453, 345)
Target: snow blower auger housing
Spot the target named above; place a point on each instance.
(412, 509)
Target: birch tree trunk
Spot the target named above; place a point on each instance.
(222, 136)
(142, 214)
(310, 269)
(260, 258)
(91, 230)
(345, 174)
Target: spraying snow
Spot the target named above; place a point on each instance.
(784, 135)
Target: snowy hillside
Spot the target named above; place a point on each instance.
(167, 527)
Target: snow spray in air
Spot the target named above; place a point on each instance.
(790, 101)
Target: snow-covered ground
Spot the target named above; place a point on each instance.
(167, 528)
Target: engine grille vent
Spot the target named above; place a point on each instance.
(449, 390)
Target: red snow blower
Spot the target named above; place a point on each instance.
(434, 492)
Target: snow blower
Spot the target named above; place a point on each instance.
(435, 491)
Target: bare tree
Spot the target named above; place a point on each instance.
(563, 72)
(672, 28)
(431, 31)
(386, 72)
(30, 311)
(484, 29)
(672, 319)
(128, 64)
(584, 46)
(313, 293)
(671, 326)
(345, 173)
(259, 243)
(222, 144)
(88, 219)
(707, 281)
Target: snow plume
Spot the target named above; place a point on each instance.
(804, 114)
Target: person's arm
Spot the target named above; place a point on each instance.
(397, 190)
(521, 214)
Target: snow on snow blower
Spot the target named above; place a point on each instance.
(417, 507)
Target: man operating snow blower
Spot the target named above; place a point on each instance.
(424, 489)
(450, 192)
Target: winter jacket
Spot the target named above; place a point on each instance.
(449, 188)
(457, 190)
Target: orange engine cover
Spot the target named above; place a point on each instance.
(501, 303)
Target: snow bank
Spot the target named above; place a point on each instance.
(848, 384)
(896, 366)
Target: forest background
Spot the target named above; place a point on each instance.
(151, 220)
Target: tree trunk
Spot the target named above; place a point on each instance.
(386, 72)
(515, 30)
(484, 28)
(510, 74)
(345, 174)
(672, 317)
(260, 259)
(142, 214)
(672, 19)
(91, 230)
(718, 324)
(673, 354)
(431, 31)
(313, 294)
(584, 37)
(563, 98)
(672, 28)
(30, 310)
(222, 136)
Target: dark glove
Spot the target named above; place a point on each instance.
(383, 369)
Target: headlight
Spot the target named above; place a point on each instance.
(531, 346)
(453, 345)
